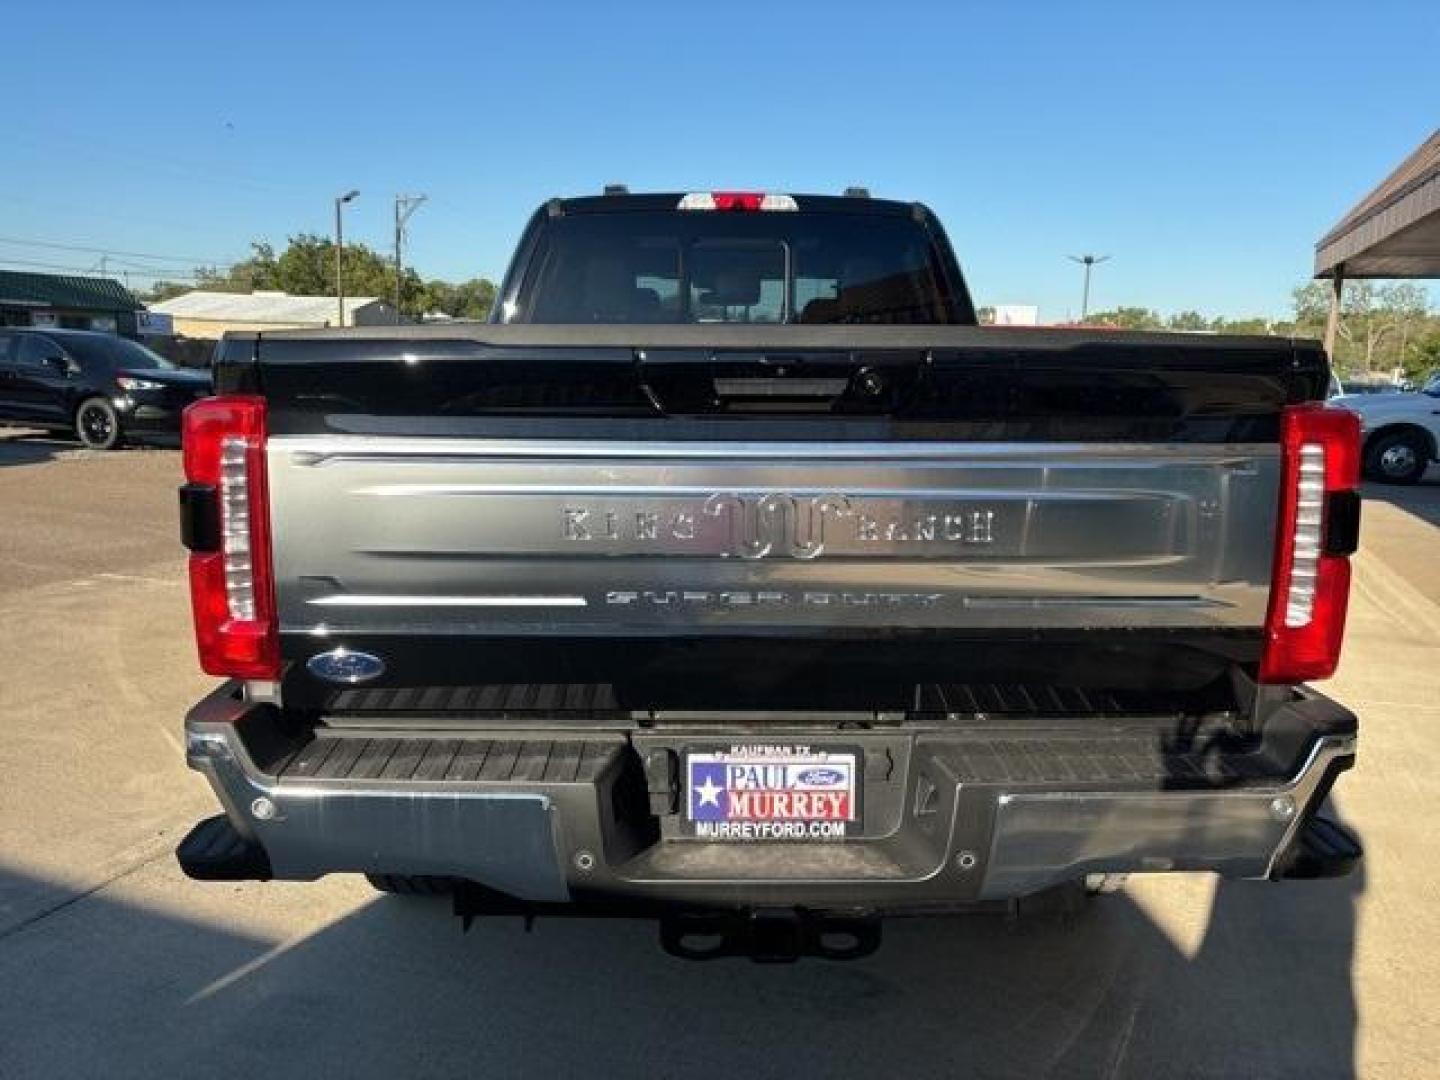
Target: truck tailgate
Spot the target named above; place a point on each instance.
(464, 536)
(561, 505)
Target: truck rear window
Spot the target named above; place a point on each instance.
(767, 267)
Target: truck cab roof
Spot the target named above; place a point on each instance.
(734, 257)
(653, 201)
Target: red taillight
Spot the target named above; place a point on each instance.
(232, 589)
(738, 200)
(1315, 534)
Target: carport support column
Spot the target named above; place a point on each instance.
(1332, 323)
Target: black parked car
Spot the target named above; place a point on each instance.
(101, 387)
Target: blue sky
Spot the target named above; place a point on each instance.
(1204, 146)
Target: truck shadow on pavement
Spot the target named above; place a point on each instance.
(1422, 499)
(107, 988)
(33, 448)
(19, 448)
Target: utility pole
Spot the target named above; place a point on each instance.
(405, 205)
(340, 201)
(1089, 262)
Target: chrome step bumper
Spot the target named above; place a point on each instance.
(1042, 838)
(952, 817)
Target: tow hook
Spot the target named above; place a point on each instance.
(770, 935)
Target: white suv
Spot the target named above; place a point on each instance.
(1401, 431)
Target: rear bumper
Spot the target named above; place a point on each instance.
(952, 818)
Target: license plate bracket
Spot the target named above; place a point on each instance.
(773, 793)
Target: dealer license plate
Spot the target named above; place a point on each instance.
(772, 793)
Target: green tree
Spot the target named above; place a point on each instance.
(1127, 318)
(256, 272)
(468, 300)
(1188, 320)
(1254, 325)
(163, 290)
(1409, 306)
(1424, 359)
(1382, 328)
(307, 268)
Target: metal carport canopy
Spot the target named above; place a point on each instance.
(1394, 232)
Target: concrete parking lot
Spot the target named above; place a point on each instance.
(113, 964)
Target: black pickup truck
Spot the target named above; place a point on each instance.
(732, 575)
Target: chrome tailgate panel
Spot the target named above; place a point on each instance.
(450, 536)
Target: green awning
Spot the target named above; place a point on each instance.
(64, 291)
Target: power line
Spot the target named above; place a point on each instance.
(114, 261)
(84, 249)
(94, 148)
(179, 279)
(373, 243)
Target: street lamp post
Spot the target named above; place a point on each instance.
(1089, 262)
(340, 201)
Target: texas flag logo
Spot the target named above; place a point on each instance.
(709, 801)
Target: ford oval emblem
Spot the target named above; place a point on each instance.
(818, 777)
(345, 666)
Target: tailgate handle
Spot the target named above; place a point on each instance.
(780, 388)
